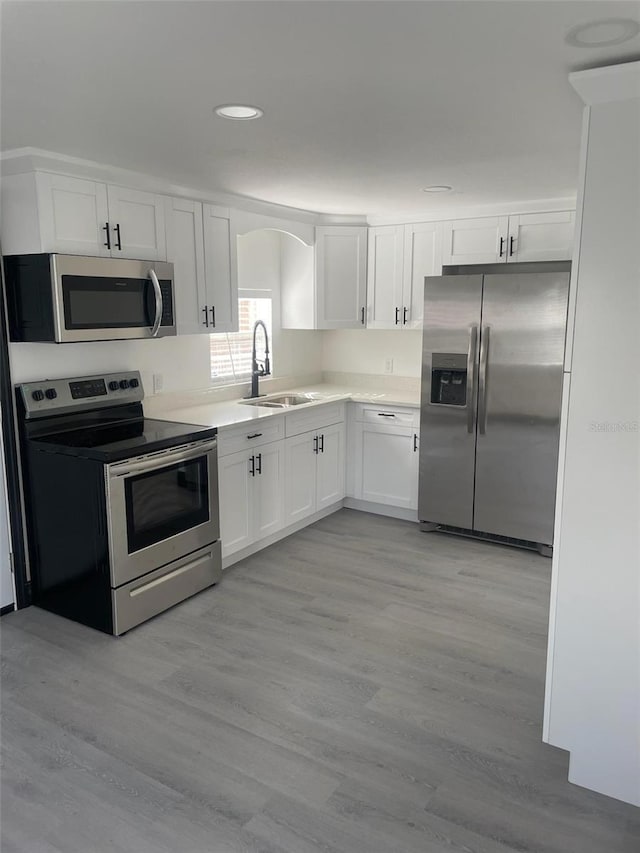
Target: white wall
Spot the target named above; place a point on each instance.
(366, 350)
(593, 682)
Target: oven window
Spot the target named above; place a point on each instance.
(163, 503)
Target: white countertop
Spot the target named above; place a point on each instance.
(231, 412)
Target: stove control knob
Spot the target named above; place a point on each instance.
(124, 383)
(51, 393)
(113, 385)
(134, 383)
(37, 396)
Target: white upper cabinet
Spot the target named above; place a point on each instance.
(385, 277)
(219, 266)
(198, 245)
(541, 236)
(422, 257)
(341, 261)
(509, 239)
(46, 212)
(185, 249)
(475, 241)
(74, 215)
(136, 223)
(400, 256)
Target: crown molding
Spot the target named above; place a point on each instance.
(20, 160)
(609, 83)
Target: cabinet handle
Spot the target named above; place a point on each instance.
(315, 444)
(511, 241)
(405, 311)
(362, 315)
(415, 441)
(501, 246)
(397, 312)
(118, 239)
(105, 228)
(213, 316)
(322, 443)
(385, 415)
(205, 322)
(259, 460)
(255, 435)
(252, 466)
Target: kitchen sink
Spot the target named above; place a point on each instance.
(282, 402)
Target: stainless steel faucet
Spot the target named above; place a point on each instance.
(259, 368)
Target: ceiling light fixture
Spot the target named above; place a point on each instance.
(437, 188)
(604, 33)
(238, 112)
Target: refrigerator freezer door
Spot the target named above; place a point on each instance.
(448, 407)
(519, 395)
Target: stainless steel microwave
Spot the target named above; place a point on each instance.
(70, 298)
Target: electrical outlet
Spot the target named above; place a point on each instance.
(158, 382)
(388, 365)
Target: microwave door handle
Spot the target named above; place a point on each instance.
(158, 293)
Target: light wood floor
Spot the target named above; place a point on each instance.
(360, 687)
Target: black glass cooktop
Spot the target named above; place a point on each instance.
(124, 440)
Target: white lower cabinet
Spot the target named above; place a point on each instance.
(314, 471)
(385, 443)
(251, 492)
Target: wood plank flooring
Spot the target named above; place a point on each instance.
(360, 687)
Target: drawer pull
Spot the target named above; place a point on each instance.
(385, 415)
(255, 435)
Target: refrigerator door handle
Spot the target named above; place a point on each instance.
(471, 370)
(482, 382)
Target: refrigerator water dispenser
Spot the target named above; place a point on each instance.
(449, 379)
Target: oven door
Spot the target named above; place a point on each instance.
(161, 507)
(101, 299)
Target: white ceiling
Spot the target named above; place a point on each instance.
(365, 102)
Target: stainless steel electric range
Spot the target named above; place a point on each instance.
(122, 510)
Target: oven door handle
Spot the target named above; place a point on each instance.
(124, 469)
(158, 294)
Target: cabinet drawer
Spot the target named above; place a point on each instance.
(252, 434)
(388, 414)
(319, 416)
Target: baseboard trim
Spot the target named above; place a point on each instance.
(382, 509)
(8, 608)
(231, 559)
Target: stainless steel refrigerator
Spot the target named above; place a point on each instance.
(493, 348)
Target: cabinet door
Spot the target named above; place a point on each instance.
(268, 490)
(475, 241)
(235, 487)
(387, 465)
(422, 257)
(541, 236)
(185, 250)
(384, 277)
(221, 289)
(137, 224)
(299, 477)
(73, 215)
(341, 262)
(330, 465)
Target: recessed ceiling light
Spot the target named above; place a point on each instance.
(239, 112)
(437, 188)
(608, 31)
